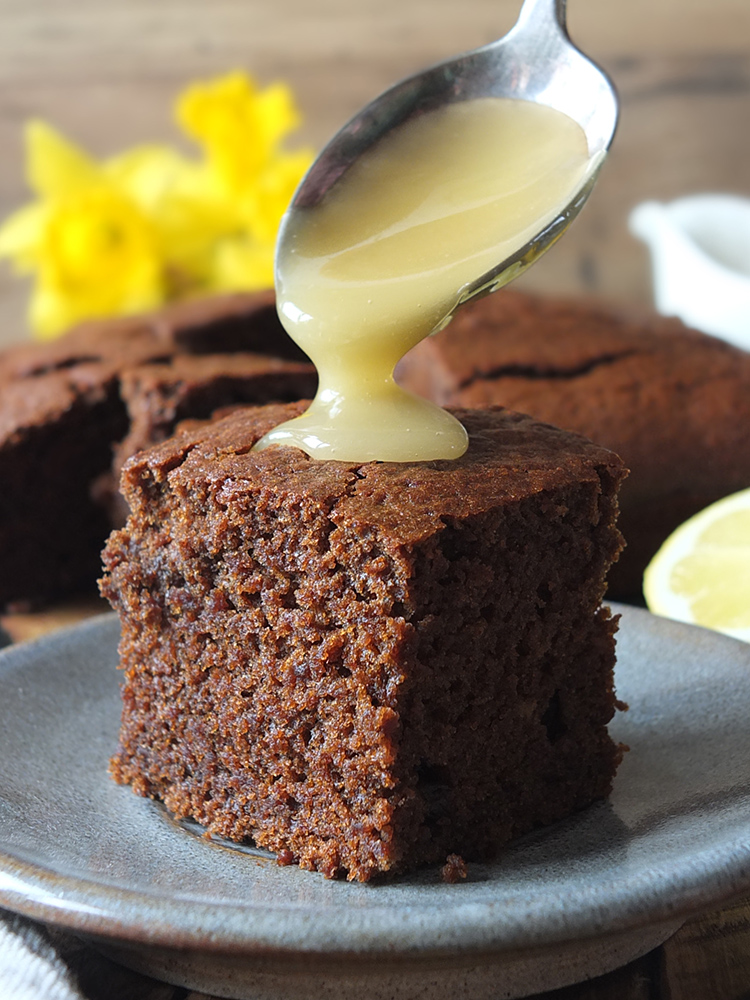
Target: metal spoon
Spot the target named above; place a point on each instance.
(535, 61)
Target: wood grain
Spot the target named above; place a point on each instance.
(709, 959)
(107, 74)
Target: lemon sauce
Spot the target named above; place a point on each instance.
(379, 263)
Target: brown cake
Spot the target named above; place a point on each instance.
(119, 384)
(366, 667)
(672, 402)
(159, 395)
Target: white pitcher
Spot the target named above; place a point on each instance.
(700, 252)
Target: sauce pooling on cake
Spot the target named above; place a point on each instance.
(379, 263)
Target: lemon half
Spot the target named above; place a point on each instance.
(701, 574)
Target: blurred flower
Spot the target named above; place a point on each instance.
(93, 250)
(244, 259)
(251, 178)
(150, 224)
(239, 126)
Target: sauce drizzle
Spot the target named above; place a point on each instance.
(379, 263)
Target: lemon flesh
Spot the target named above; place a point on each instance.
(701, 574)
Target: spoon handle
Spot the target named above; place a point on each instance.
(543, 17)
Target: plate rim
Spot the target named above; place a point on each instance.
(88, 906)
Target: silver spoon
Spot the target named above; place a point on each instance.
(535, 61)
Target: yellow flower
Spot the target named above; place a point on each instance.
(241, 129)
(150, 224)
(99, 257)
(185, 210)
(239, 262)
(266, 201)
(92, 248)
(239, 126)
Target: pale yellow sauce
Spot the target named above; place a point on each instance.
(380, 262)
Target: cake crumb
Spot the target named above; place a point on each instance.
(284, 858)
(454, 869)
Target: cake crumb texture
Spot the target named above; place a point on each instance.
(454, 869)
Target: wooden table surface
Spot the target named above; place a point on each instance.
(107, 73)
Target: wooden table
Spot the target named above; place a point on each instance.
(106, 74)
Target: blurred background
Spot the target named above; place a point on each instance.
(106, 74)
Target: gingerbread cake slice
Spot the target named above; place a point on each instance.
(56, 431)
(115, 386)
(367, 667)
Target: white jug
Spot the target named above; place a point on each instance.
(700, 252)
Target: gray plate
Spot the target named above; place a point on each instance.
(561, 904)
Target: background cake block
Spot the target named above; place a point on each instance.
(674, 403)
(66, 406)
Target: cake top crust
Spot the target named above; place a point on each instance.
(673, 402)
(191, 341)
(510, 456)
(511, 334)
(203, 326)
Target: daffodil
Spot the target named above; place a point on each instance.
(92, 249)
(240, 126)
(187, 214)
(241, 129)
(152, 224)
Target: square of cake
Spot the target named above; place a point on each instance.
(365, 667)
(117, 385)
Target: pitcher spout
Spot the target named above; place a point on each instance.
(700, 258)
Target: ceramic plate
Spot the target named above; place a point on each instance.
(576, 898)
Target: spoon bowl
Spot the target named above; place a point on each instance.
(441, 190)
(536, 62)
